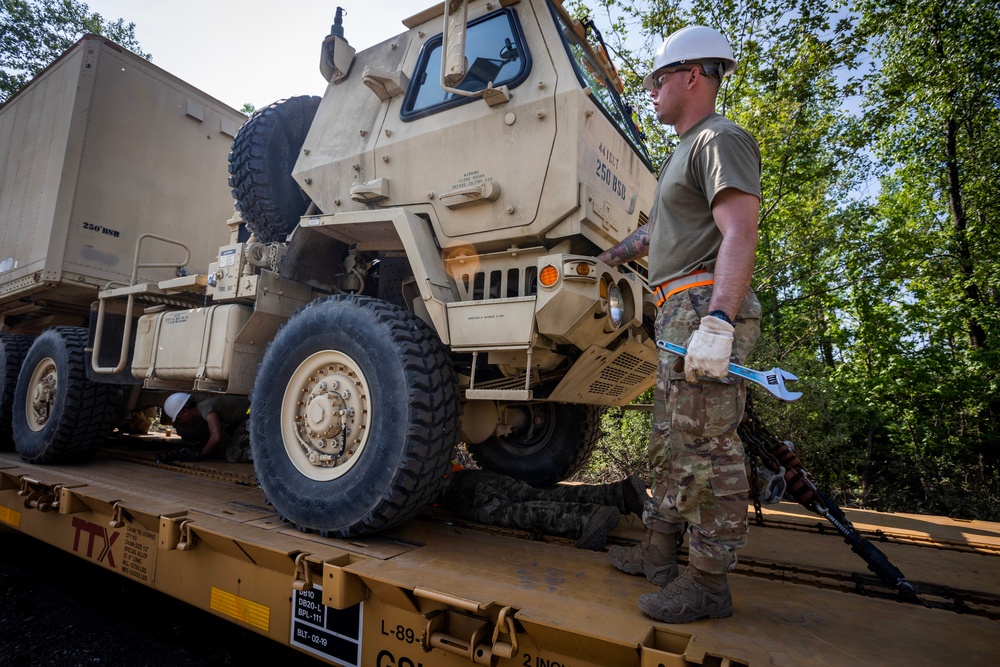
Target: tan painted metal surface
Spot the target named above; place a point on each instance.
(203, 533)
(102, 146)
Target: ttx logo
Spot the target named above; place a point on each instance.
(96, 532)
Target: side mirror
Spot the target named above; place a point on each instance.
(335, 58)
(336, 55)
(453, 62)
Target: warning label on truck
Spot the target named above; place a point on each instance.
(327, 632)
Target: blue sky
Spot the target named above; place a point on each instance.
(255, 51)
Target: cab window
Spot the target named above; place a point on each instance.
(602, 91)
(496, 52)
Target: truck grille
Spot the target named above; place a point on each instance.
(487, 283)
(622, 375)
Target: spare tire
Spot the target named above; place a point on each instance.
(260, 167)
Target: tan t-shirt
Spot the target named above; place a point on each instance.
(230, 408)
(713, 155)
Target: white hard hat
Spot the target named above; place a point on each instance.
(175, 403)
(693, 43)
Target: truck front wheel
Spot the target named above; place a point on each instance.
(58, 414)
(548, 442)
(353, 418)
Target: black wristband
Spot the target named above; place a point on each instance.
(722, 316)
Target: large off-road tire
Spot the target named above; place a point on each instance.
(13, 347)
(549, 442)
(389, 374)
(58, 414)
(260, 167)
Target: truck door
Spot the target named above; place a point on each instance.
(481, 167)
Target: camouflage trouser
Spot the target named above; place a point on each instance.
(237, 443)
(488, 497)
(698, 470)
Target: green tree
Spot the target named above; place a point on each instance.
(925, 321)
(33, 33)
(625, 433)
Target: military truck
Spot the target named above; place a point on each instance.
(421, 272)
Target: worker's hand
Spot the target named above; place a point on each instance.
(708, 350)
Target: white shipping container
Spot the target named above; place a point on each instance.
(99, 148)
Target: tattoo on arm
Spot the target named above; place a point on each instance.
(636, 245)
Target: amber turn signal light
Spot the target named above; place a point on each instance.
(548, 276)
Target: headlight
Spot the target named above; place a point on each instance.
(616, 306)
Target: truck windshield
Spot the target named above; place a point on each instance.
(592, 74)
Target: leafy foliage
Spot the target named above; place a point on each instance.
(33, 33)
(623, 447)
(877, 263)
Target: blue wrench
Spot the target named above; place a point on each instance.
(772, 380)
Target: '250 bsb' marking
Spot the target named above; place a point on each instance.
(605, 174)
(103, 230)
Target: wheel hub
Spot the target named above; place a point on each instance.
(529, 429)
(44, 383)
(325, 415)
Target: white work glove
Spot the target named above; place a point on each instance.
(708, 350)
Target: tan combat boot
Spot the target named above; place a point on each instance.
(655, 557)
(687, 598)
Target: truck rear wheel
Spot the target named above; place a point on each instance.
(549, 442)
(260, 166)
(354, 416)
(13, 347)
(58, 414)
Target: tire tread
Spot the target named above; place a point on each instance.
(260, 174)
(13, 348)
(89, 412)
(431, 393)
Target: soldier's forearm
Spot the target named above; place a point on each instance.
(736, 214)
(635, 245)
(733, 272)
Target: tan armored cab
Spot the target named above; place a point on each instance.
(468, 171)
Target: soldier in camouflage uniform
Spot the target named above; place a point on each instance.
(701, 239)
(583, 512)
